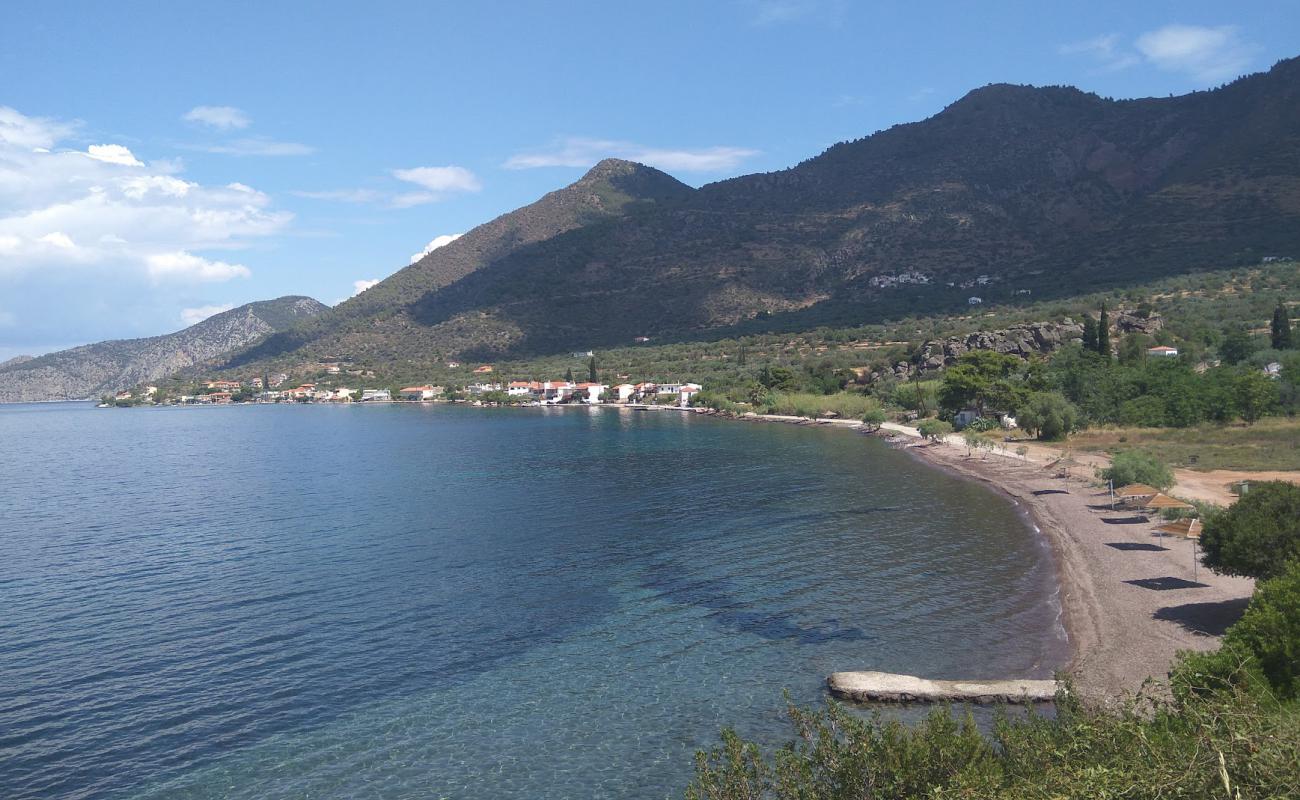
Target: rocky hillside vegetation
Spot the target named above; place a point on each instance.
(94, 369)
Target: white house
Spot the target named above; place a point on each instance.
(686, 394)
(1162, 352)
(557, 391)
(623, 392)
(590, 392)
(376, 395)
(523, 388)
(425, 392)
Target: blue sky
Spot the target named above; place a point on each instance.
(159, 161)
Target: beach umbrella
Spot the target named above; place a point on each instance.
(1188, 528)
(1063, 464)
(1161, 502)
(1136, 490)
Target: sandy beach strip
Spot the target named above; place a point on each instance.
(1131, 599)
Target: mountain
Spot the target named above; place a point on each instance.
(1010, 190)
(15, 361)
(93, 369)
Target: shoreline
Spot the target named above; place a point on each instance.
(1128, 600)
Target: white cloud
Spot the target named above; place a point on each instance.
(64, 209)
(1208, 54)
(440, 179)
(438, 241)
(30, 133)
(113, 154)
(254, 146)
(193, 316)
(220, 117)
(583, 152)
(360, 286)
(1107, 50)
(180, 264)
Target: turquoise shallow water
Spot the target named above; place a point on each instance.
(414, 601)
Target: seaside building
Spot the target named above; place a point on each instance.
(1162, 352)
(425, 392)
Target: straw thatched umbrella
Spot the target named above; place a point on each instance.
(1163, 502)
(1188, 528)
(1061, 466)
(1136, 490)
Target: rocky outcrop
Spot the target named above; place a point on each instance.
(1024, 341)
(95, 369)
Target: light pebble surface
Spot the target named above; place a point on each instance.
(1121, 633)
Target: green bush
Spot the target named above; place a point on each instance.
(934, 429)
(1138, 466)
(1257, 535)
(1048, 415)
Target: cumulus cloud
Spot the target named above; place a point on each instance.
(193, 316)
(360, 286)
(440, 180)
(340, 195)
(583, 152)
(219, 117)
(105, 210)
(188, 266)
(1207, 54)
(113, 154)
(438, 241)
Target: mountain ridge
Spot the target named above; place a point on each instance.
(1009, 189)
(110, 366)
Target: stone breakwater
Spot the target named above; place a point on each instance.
(895, 688)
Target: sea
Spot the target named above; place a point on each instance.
(433, 601)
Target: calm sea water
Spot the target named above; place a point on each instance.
(420, 602)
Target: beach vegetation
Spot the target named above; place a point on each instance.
(934, 429)
(1048, 415)
(1257, 535)
(1138, 466)
(874, 418)
(1229, 728)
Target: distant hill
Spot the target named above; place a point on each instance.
(1009, 191)
(93, 369)
(15, 361)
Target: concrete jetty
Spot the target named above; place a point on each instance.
(891, 687)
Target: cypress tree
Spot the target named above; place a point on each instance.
(1103, 332)
(1089, 333)
(591, 369)
(1281, 327)
(568, 376)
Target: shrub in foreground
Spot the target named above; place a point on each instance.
(1258, 534)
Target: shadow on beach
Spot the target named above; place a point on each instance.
(1206, 619)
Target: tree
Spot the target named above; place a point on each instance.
(1048, 415)
(1089, 333)
(1257, 535)
(1257, 394)
(740, 357)
(982, 378)
(1138, 466)
(873, 419)
(1103, 332)
(568, 375)
(1133, 349)
(934, 429)
(591, 370)
(1237, 345)
(1281, 328)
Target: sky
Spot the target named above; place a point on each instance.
(161, 162)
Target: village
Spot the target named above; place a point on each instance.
(537, 393)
